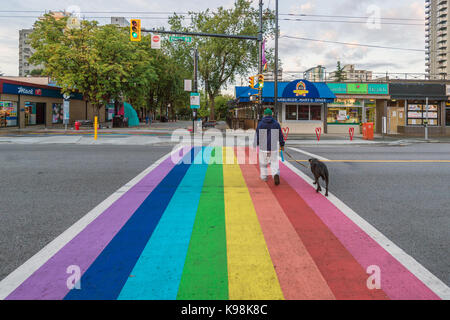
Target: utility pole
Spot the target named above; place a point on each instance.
(276, 61)
(194, 111)
(260, 53)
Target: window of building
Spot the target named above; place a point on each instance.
(291, 112)
(8, 113)
(417, 113)
(447, 117)
(57, 113)
(304, 112)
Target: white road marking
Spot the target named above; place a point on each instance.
(18, 276)
(429, 279)
(312, 155)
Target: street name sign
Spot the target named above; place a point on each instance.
(180, 38)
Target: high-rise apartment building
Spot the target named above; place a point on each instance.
(25, 52)
(437, 38)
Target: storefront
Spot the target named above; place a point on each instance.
(413, 105)
(355, 103)
(24, 104)
(447, 116)
(302, 104)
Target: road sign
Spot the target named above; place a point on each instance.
(187, 85)
(195, 100)
(66, 111)
(156, 41)
(180, 38)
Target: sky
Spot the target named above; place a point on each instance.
(296, 55)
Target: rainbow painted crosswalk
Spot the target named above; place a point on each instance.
(202, 230)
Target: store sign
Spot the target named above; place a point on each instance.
(31, 91)
(338, 88)
(357, 88)
(378, 88)
(303, 91)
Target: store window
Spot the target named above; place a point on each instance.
(8, 114)
(316, 113)
(304, 112)
(291, 112)
(447, 117)
(417, 113)
(57, 113)
(345, 111)
(371, 111)
(30, 113)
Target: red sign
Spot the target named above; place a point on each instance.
(156, 38)
(318, 133)
(351, 131)
(38, 92)
(285, 133)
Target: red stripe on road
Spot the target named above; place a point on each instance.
(344, 275)
(299, 277)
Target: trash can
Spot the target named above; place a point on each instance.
(368, 131)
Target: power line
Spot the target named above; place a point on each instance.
(355, 44)
(361, 22)
(349, 17)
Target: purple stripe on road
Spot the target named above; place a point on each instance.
(49, 282)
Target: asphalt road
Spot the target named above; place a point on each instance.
(44, 189)
(407, 202)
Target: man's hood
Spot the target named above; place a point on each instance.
(268, 119)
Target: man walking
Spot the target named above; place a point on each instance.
(268, 135)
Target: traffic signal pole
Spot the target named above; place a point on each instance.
(276, 63)
(260, 54)
(194, 111)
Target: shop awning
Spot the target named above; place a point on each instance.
(298, 91)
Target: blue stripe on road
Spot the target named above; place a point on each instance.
(107, 275)
(158, 272)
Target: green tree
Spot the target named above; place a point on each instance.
(98, 61)
(222, 60)
(36, 72)
(339, 74)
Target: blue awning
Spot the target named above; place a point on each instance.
(298, 91)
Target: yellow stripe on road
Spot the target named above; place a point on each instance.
(381, 161)
(251, 275)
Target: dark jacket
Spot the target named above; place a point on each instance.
(269, 123)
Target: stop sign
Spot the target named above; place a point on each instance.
(156, 42)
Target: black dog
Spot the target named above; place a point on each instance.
(319, 169)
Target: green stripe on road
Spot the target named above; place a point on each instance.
(205, 274)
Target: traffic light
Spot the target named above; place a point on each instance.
(135, 30)
(260, 81)
(251, 81)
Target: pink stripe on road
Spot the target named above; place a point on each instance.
(396, 281)
(49, 282)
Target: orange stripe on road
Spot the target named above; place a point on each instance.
(299, 277)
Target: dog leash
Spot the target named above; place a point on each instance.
(295, 159)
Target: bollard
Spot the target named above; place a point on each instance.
(285, 132)
(351, 131)
(95, 127)
(318, 133)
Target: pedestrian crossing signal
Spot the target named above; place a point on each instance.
(251, 81)
(135, 30)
